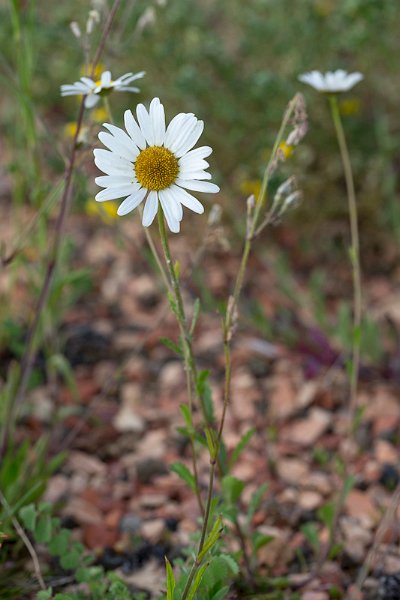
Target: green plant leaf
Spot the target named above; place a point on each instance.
(196, 313)
(245, 439)
(44, 529)
(171, 345)
(71, 560)
(211, 443)
(45, 594)
(59, 543)
(255, 501)
(259, 540)
(310, 532)
(232, 488)
(170, 580)
(211, 539)
(29, 515)
(184, 473)
(185, 411)
(196, 582)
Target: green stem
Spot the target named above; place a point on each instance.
(354, 253)
(190, 369)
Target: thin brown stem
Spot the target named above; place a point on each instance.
(30, 352)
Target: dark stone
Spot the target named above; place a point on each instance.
(389, 477)
(148, 468)
(85, 346)
(389, 587)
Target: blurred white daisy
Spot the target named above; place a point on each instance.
(331, 82)
(93, 90)
(155, 162)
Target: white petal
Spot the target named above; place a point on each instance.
(173, 223)
(157, 118)
(198, 186)
(174, 127)
(88, 82)
(196, 154)
(131, 202)
(174, 204)
(129, 77)
(187, 199)
(123, 138)
(150, 209)
(114, 144)
(185, 129)
(113, 180)
(191, 139)
(134, 130)
(112, 158)
(105, 78)
(91, 100)
(124, 88)
(199, 174)
(71, 93)
(117, 192)
(188, 162)
(145, 124)
(113, 169)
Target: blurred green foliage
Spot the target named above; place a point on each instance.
(235, 64)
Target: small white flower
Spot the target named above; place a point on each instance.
(94, 89)
(155, 162)
(331, 82)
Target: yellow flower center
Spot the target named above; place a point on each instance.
(156, 168)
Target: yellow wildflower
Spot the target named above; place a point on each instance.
(99, 115)
(70, 131)
(107, 211)
(97, 72)
(351, 106)
(286, 149)
(251, 186)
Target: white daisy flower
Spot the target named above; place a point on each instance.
(155, 162)
(331, 82)
(93, 90)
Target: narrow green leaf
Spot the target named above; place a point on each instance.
(245, 439)
(170, 580)
(172, 304)
(326, 514)
(184, 473)
(185, 411)
(197, 581)
(255, 501)
(232, 488)
(62, 367)
(310, 532)
(211, 539)
(177, 269)
(204, 392)
(196, 313)
(260, 540)
(171, 345)
(211, 443)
